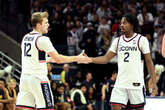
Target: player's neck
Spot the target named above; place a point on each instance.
(129, 34)
(37, 31)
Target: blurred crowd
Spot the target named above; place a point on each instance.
(91, 25)
(73, 90)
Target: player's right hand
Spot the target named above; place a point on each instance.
(154, 90)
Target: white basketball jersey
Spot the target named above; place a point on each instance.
(130, 63)
(33, 59)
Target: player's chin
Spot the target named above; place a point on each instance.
(122, 31)
(45, 32)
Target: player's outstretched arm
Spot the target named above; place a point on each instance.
(104, 59)
(55, 57)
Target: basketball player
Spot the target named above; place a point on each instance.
(128, 47)
(34, 84)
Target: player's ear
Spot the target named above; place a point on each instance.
(38, 25)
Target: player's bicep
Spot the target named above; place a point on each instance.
(109, 55)
(114, 45)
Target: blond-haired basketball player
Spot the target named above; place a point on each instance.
(34, 84)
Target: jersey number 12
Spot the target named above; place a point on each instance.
(27, 48)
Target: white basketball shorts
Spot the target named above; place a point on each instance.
(120, 96)
(34, 93)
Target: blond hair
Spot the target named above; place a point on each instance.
(37, 17)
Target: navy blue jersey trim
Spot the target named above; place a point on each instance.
(41, 55)
(117, 45)
(47, 95)
(36, 43)
(130, 39)
(139, 44)
(24, 106)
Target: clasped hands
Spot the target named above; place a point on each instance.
(83, 58)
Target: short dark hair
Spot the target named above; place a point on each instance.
(134, 21)
(2, 79)
(83, 85)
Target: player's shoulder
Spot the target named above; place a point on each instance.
(118, 38)
(122, 35)
(142, 37)
(42, 37)
(43, 40)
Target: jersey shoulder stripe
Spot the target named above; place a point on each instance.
(36, 43)
(139, 43)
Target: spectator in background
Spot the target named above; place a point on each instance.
(88, 82)
(151, 8)
(95, 21)
(79, 26)
(60, 99)
(57, 27)
(159, 19)
(36, 6)
(89, 40)
(65, 74)
(91, 97)
(79, 99)
(104, 41)
(54, 90)
(77, 80)
(107, 89)
(103, 25)
(145, 16)
(73, 41)
(5, 101)
(146, 22)
(103, 10)
(159, 5)
(115, 26)
(11, 89)
(156, 46)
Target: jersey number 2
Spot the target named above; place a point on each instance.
(126, 54)
(27, 48)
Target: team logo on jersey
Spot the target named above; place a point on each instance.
(134, 41)
(127, 48)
